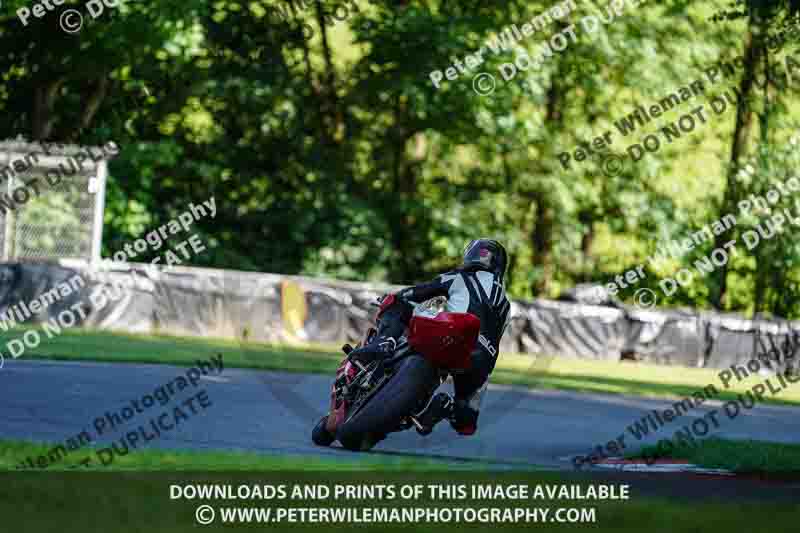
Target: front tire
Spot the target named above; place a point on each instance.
(415, 379)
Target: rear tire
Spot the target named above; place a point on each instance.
(416, 378)
(320, 434)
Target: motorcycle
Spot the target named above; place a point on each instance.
(373, 396)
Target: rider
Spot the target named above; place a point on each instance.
(475, 287)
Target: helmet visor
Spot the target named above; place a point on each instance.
(478, 254)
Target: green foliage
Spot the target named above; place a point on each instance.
(336, 155)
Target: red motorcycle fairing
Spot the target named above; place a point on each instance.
(446, 340)
(345, 374)
(338, 413)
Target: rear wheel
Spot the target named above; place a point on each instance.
(416, 378)
(320, 434)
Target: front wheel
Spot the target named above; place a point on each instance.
(415, 379)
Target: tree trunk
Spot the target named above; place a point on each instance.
(586, 266)
(92, 106)
(741, 133)
(542, 244)
(44, 99)
(330, 101)
(544, 223)
(759, 289)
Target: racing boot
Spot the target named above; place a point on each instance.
(440, 407)
(465, 418)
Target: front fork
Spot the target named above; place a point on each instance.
(348, 369)
(391, 321)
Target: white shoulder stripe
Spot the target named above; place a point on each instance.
(486, 279)
(458, 297)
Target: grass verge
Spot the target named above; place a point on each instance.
(631, 378)
(14, 452)
(169, 502)
(750, 457)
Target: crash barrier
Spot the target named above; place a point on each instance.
(275, 308)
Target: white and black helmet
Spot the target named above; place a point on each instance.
(486, 254)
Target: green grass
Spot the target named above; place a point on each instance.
(35, 501)
(122, 501)
(567, 374)
(628, 377)
(134, 494)
(95, 345)
(741, 456)
(13, 452)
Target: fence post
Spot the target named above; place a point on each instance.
(99, 207)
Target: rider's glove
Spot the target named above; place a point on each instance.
(404, 295)
(381, 347)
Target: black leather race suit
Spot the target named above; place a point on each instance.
(480, 293)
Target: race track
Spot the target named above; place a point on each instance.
(271, 412)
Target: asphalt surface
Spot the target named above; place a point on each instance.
(272, 412)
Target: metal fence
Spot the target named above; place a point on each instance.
(51, 200)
